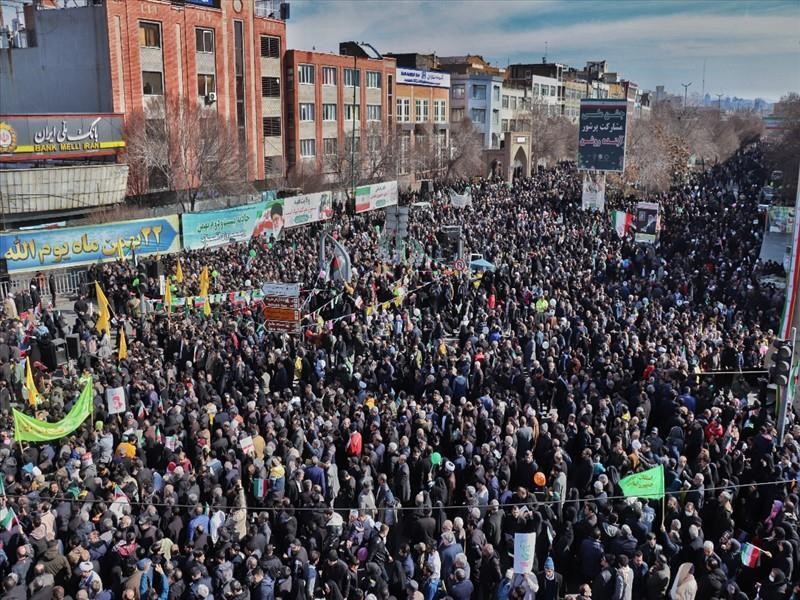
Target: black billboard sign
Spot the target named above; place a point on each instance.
(601, 135)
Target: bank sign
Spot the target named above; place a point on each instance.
(429, 78)
(56, 136)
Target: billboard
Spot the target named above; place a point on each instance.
(417, 77)
(72, 246)
(647, 222)
(594, 192)
(375, 196)
(601, 135)
(24, 137)
(218, 227)
(308, 208)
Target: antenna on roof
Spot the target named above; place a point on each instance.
(544, 58)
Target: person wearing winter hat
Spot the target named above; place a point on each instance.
(550, 582)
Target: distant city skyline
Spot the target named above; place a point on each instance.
(750, 49)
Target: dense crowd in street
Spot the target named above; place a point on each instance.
(424, 416)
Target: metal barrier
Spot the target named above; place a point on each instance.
(67, 283)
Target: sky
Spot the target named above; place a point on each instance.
(750, 48)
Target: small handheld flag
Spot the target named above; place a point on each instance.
(647, 484)
(33, 394)
(750, 555)
(122, 353)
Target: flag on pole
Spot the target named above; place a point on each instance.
(168, 296)
(203, 280)
(122, 353)
(33, 394)
(2, 485)
(646, 484)
(178, 272)
(103, 316)
(8, 518)
(207, 308)
(750, 555)
(259, 487)
(622, 222)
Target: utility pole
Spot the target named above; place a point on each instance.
(685, 93)
(719, 103)
(703, 92)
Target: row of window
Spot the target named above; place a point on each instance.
(421, 111)
(306, 74)
(513, 102)
(153, 84)
(458, 91)
(351, 112)
(150, 37)
(330, 146)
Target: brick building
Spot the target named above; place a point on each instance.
(333, 99)
(119, 56)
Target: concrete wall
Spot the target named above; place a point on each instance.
(67, 71)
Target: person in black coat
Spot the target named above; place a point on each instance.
(550, 582)
(711, 584)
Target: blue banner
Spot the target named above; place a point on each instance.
(218, 227)
(73, 246)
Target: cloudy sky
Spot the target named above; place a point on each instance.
(750, 49)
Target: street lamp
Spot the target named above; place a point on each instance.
(685, 92)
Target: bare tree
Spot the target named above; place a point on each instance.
(465, 158)
(783, 147)
(189, 149)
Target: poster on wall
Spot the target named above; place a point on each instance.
(375, 196)
(647, 222)
(601, 135)
(594, 192)
(218, 227)
(73, 246)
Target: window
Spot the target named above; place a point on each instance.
(553, 90)
(479, 92)
(513, 103)
(504, 125)
(457, 91)
(351, 77)
(149, 35)
(373, 79)
(403, 110)
(205, 85)
(270, 46)
(270, 87)
(545, 90)
(478, 115)
(328, 112)
(373, 112)
(305, 74)
(204, 39)
(306, 111)
(272, 126)
(328, 75)
(439, 111)
(329, 146)
(421, 111)
(374, 143)
(536, 90)
(351, 112)
(271, 165)
(238, 66)
(152, 83)
(496, 90)
(496, 117)
(307, 148)
(505, 101)
(457, 115)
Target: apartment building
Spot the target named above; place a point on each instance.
(337, 103)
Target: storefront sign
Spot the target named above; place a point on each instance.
(30, 137)
(429, 78)
(72, 246)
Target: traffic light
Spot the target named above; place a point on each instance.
(781, 362)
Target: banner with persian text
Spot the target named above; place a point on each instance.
(601, 135)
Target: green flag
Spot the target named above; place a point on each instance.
(647, 484)
(27, 428)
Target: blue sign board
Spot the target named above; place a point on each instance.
(74, 246)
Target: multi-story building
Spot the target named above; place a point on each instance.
(124, 56)
(337, 104)
(515, 107)
(525, 72)
(423, 120)
(574, 91)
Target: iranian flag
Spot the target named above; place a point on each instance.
(750, 555)
(8, 518)
(259, 487)
(622, 222)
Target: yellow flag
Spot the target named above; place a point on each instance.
(204, 282)
(179, 272)
(120, 254)
(207, 308)
(33, 394)
(122, 354)
(168, 295)
(103, 316)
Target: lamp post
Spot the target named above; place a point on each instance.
(685, 93)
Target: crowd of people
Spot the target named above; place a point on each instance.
(423, 416)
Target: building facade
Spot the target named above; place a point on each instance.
(423, 122)
(478, 98)
(515, 107)
(124, 56)
(335, 101)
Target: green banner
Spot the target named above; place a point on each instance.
(29, 429)
(647, 484)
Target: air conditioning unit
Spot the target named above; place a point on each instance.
(211, 98)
